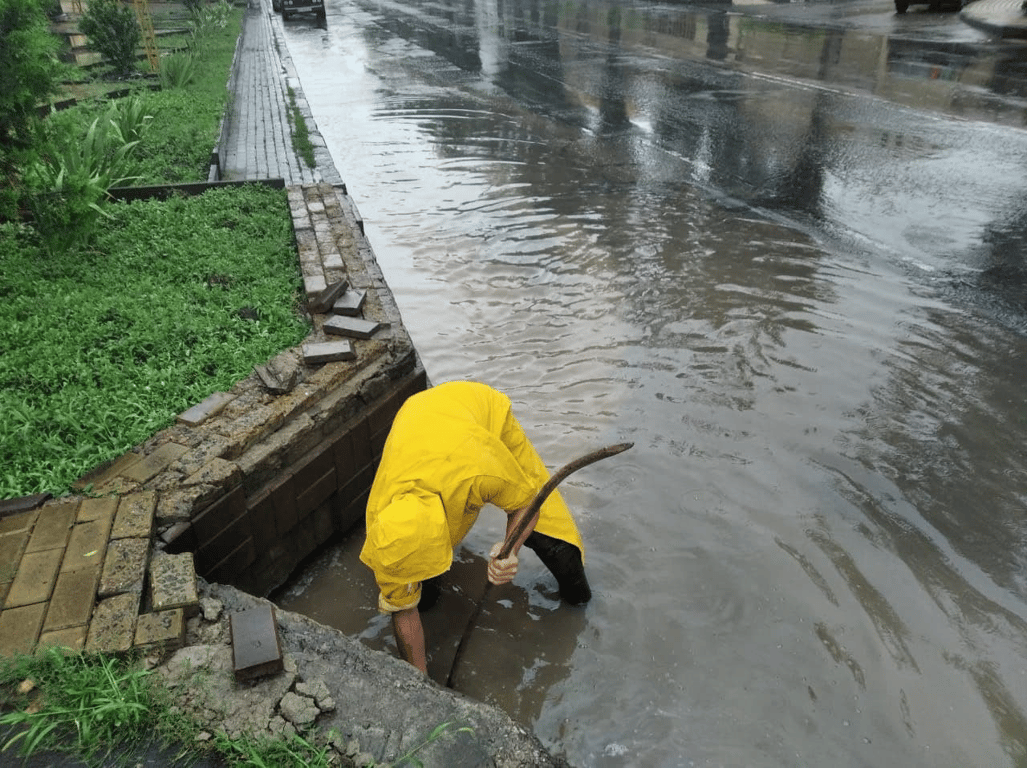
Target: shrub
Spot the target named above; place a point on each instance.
(113, 31)
(29, 73)
(71, 178)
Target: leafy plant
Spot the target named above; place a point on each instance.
(113, 31)
(177, 70)
(72, 177)
(207, 21)
(130, 119)
(300, 132)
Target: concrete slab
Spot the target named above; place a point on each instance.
(324, 300)
(100, 508)
(73, 638)
(200, 412)
(87, 545)
(328, 352)
(22, 521)
(173, 582)
(164, 630)
(12, 547)
(154, 463)
(349, 303)
(103, 477)
(112, 629)
(124, 567)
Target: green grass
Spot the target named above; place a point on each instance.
(174, 301)
(300, 132)
(170, 302)
(79, 703)
(90, 705)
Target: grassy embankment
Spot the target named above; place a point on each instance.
(102, 346)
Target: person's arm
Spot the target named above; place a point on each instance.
(409, 631)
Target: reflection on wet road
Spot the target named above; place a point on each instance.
(780, 250)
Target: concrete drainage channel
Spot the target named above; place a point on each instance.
(173, 549)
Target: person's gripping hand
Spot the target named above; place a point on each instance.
(501, 571)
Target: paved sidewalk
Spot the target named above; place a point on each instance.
(1005, 18)
(258, 132)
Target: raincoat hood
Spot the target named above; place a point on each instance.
(408, 541)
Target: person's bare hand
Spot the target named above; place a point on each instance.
(501, 571)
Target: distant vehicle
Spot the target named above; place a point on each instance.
(901, 6)
(292, 7)
(276, 6)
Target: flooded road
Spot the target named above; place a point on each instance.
(781, 250)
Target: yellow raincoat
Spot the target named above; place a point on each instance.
(452, 449)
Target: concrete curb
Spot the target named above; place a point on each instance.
(1003, 18)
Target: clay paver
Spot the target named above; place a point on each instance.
(200, 412)
(19, 628)
(73, 598)
(19, 522)
(256, 647)
(356, 327)
(12, 546)
(97, 509)
(52, 527)
(328, 352)
(87, 545)
(72, 637)
(36, 576)
(124, 566)
(135, 516)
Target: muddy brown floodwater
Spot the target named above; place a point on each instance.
(783, 263)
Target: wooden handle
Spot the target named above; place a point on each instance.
(558, 477)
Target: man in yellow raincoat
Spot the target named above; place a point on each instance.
(452, 449)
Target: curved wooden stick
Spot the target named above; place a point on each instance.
(518, 529)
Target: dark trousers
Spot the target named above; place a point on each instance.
(562, 559)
